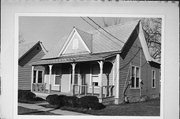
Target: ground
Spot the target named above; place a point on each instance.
(149, 108)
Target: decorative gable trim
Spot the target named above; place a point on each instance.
(70, 40)
(143, 43)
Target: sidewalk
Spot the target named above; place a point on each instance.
(52, 110)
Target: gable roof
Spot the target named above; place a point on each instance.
(81, 36)
(86, 37)
(24, 48)
(98, 40)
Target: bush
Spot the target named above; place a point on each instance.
(25, 95)
(90, 102)
(71, 101)
(96, 106)
(56, 100)
(52, 99)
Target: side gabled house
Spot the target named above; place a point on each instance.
(28, 53)
(112, 64)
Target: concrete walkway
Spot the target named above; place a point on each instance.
(52, 110)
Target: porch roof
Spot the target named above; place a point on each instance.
(77, 58)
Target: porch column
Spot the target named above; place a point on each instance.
(73, 77)
(32, 77)
(101, 82)
(50, 73)
(117, 101)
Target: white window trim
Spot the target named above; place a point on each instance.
(36, 76)
(91, 77)
(135, 77)
(37, 71)
(153, 78)
(54, 84)
(55, 81)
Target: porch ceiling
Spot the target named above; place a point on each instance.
(77, 58)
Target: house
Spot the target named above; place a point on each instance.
(28, 53)
(113, 64)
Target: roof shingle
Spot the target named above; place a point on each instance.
(100, 40)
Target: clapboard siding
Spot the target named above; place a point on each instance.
(24, 71)
(132, 57)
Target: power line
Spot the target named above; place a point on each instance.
(99, 31)
(105, 30)
(108, 32)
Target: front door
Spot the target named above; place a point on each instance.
(66, 79)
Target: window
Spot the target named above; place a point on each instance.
(153, 79)
(37, 76)
(95, 83)
(135, 77)
(57, 79)
(75, 44)
(76, 79)
(34, 76)
(95, 75)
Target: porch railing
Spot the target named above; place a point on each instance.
(107, 91)
(39, 87)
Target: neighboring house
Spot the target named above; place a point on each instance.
(28, 53)
(111, 64)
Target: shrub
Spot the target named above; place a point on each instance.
(71, 101)
(58, 100)
(96, 106)
(90, 102)
(25, 95)
(52, 99)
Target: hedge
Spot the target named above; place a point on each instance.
(26, 96)
(88, 102)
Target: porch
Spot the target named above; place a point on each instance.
(95, 77)
(79, 90)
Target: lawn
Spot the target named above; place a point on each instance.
(149, 108)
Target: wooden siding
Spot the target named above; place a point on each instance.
(131, 55)
(24, 71)
(77, 44)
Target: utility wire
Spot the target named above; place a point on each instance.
(99, 31)
(105, 30)
(108, 32)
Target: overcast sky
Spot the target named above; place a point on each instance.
(50, 30)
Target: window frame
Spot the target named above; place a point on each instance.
(37, 75)
(135, 76)
(55, 80)
(153, 79)
(93, 75)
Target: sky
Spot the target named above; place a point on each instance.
(51, 30)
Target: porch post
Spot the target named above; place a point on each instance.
(32, 77)
(101, 82)
(117, 101)
(73, 77)
(50, 73)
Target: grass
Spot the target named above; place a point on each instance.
(26, 111)
(149, 108)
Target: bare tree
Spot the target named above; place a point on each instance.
(152, 29)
